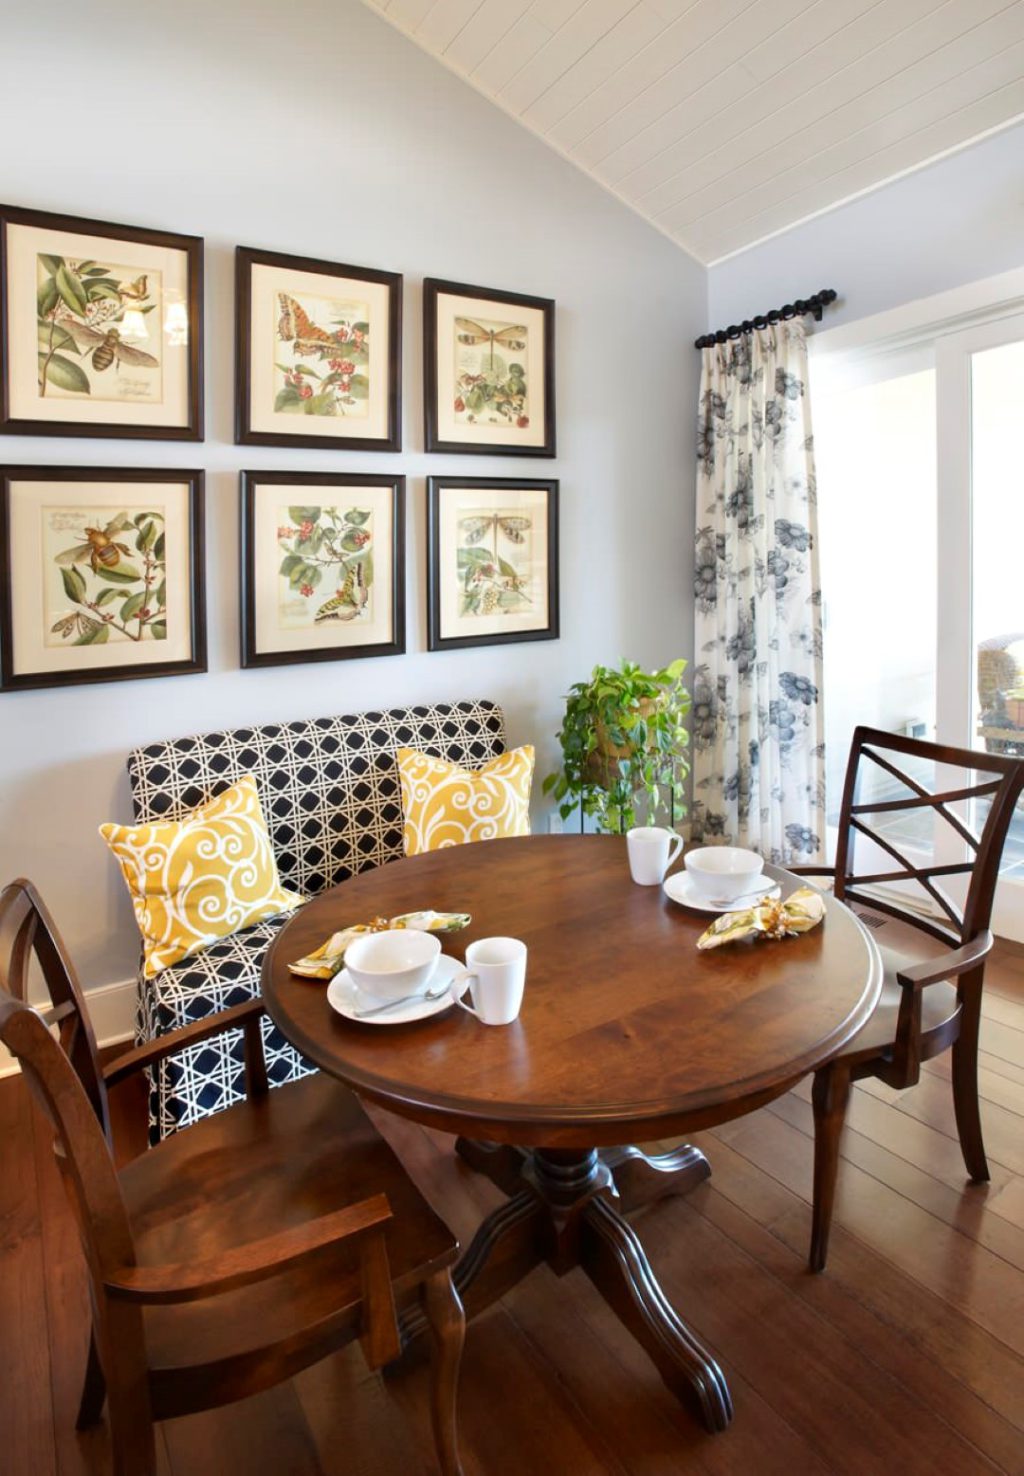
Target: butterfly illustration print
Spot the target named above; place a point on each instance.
(322, 357)
(349, 602)
(494, 580)
(490, 373)
(325, 549)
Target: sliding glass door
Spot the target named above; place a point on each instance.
(980, 486)
(921, 510)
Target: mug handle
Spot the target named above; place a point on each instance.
(463, 978)
(675, 845)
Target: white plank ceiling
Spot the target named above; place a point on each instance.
(726, 121)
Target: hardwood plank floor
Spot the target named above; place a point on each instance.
(906, 1356)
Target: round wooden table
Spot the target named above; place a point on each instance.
(627, 1034)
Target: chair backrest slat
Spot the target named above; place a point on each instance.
(869, 751)
(27, 929)
(64, 1078)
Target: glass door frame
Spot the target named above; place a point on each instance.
(955, 657)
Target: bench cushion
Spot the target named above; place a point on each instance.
(330, 795)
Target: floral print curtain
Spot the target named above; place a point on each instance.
(759, 755)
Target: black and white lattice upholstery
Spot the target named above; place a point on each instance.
(330, 795)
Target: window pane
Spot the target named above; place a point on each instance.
(875, 451)
(997, 401)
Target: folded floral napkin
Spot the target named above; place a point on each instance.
(799, 913)
(325, 961)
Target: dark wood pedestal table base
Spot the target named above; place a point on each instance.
(627, 1035)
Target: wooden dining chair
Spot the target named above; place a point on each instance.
(238, 1251)
(931, 997)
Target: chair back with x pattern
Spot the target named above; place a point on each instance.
(1000, 780)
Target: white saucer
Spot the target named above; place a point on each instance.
(345, 996)
(679, 888)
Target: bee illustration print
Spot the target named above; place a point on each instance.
(99, 549)
(107, 346)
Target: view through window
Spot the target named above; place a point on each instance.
(886, 571)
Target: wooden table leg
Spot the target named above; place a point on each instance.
(642, 1178)
(615, 1261)
(510, 1242)
(499, 1162)
(562, 1212)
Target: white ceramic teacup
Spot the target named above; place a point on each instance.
(652, 849)
(724, 873)
(496, 971)
(393, 964)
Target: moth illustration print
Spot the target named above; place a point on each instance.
(321, 356)
(495, 563)
(490, 373)
(325, 576)
(104, 576)
(98, 337)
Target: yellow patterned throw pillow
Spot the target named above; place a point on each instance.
(195, 880)
(447, 806)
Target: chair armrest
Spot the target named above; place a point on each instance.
(956, 961)
(189, 1035)
(244, 1264)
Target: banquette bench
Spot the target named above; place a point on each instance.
(330, 795)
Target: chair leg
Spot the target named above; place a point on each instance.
(94, 1389)
(965, 1087)
(830, 1096)
(131, 1437)
(447, 1323)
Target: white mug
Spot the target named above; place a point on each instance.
(652, 849)
(496, 970)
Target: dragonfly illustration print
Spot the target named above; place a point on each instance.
(494, 562)
(490, 373)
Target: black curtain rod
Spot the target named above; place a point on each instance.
(798, 309)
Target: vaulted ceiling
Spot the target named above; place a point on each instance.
(726, 121)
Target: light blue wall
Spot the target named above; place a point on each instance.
(318, 129)
(956, 221)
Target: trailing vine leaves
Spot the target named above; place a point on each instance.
(623, 739)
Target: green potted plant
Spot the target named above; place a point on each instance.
(622, 739)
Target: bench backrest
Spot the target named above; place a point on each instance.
(328, 786)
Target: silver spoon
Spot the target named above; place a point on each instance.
(729, 903)
(433, 993)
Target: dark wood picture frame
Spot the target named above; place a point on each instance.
(10, 681)
(433, 287)
(246, 257)
(249, 482)
(436, 485)
(191, 246)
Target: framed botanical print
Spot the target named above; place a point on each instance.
(100, 329)
(489, 370)
(319, 353)
(492, 561)
(323, 566)
(101, 575)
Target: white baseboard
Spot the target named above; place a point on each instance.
(112, 1012)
